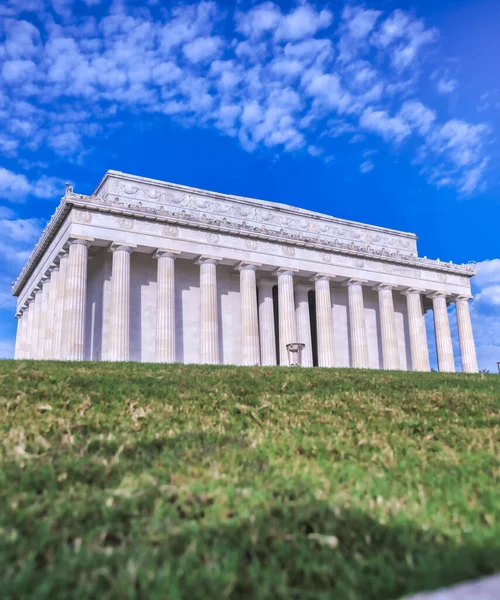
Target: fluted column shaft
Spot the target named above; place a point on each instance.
(266, 323)
(51, 307)
(42, 320)
(209, 317)
(119, 348)
(165, 308)
(444, 345)
(19, 333)
(324, 321)
(418, 335)
(286, 308)
(32, 325)
(390, 347)
(303, 319)
(250, 351)
(466, 337)
(24, 333)
(57, 348)
(359, 343)
(75, 300)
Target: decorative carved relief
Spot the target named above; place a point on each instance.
(326, 258)
(288, 250)
(83, 217)
(388, 267)
(442, 277)
(170, 231)
(359, 263)
(212, 238)
(252, 244)
(127, 224)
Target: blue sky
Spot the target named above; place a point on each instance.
(384, 112)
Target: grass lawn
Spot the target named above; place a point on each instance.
(195, 482)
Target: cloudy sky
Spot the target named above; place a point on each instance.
(385, 112)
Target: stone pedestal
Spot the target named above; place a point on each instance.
(119, 347)
(466, 337)
(359, 344)
(266, 323)
(418, 336)
(444, 345)
(74, 302)
(324, 321)
(250, 351)
(209, 317)
(165, 307)
(390, 348)
(286, 305)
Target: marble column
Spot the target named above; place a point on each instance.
(165, 307)
(390, 347)
(266, 322)
(75, 300)
(250, 351)
(35, 337)
(418, 335)
(324, 321)
(31, 333)
(119, 343)
(19, 333)
(209, 314)
(303, 319)
(51, 306)
(465, 335)
(359, 342)
(444, 345)
(43, 320)
(24, 333)
(57, 350)
(286, 310)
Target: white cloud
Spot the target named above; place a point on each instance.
(417, 116)
(485, 313)
(260, 19)
(366, 166)
(446, 86)
(15, 187)
(302, 22)
(202, 49)
(394, 129)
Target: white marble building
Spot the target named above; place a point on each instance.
(145, 270)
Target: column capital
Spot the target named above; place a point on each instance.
(412, 291)
(122, 246)
(242, 266)
(207, 260)
(438, 294)
(351, 282)
(285, 271)
(163, 252)
(80, 239)
(384, 286)
(322, 277)
(463, 298)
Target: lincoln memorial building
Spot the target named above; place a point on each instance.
(145, 270)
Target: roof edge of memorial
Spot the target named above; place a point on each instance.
(284, 208)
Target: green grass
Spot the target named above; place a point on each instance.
(195, 482)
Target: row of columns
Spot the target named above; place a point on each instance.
(54, 320)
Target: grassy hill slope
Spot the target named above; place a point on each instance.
(129, 480)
